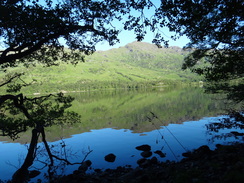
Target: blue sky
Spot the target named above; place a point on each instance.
(128, 37)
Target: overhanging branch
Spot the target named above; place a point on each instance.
(28, 48)
(10, 80)
(18, 101)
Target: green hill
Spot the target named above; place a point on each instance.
(137, 64)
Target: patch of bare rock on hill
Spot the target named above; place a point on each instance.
(224, 164)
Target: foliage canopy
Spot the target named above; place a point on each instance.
(30, 30)
(215, 30)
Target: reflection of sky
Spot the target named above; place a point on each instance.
(122, 143)
(11, 154)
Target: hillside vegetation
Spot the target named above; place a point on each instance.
(135, 65)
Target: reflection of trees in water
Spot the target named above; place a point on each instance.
(19, 113)
(172, 106)
(55, 158)
(129, 110)
(51, 158)
(235, 121)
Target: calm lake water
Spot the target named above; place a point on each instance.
(118, 121)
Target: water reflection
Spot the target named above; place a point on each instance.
(117, 121)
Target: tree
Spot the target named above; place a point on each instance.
(215, 30)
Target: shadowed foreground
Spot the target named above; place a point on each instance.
(224, 164)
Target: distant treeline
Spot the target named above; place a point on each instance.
(100, 85)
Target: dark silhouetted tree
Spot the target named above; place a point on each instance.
(215, 30)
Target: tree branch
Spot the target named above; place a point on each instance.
(29, 48)
(18, 102)
(11, 57)
(10, 80)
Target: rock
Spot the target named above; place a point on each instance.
(144, 147)
(146, 154)
(76, 172)
(131, 175)
(98, 170)
(186, 154)
(218, 145)
(88, 162)
(84, 166)
(144, 178)
(110, 158)
(146, 164)
(203, 150)
(141, 161)
(154, 160)
(200, 153)
(160, 153)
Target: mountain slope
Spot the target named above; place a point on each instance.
(134, 65)
(145, 55)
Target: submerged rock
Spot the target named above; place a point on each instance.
(160, 153)
(144, 147)
(146, 154)
(110, 158)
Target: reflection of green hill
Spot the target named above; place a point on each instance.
(129, 110)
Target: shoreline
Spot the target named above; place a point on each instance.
(224, 164)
